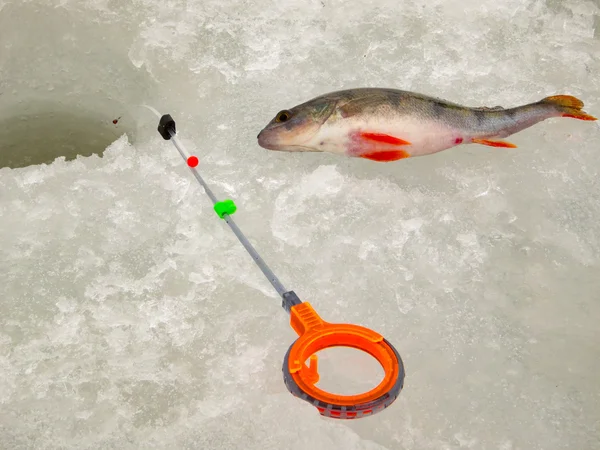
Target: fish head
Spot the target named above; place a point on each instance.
(294, 130)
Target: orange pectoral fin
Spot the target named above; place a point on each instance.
(378, 146)
(384, 138)
(494, 143)
(386, 156)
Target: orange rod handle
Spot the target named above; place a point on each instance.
(315, 335)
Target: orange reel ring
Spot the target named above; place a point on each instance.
(319, 335)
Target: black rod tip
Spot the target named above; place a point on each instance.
(165, 124)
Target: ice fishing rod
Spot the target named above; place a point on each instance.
(314, 333)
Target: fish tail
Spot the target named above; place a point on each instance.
(568, 106)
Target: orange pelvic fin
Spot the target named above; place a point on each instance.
(569, 106)
(494, 143)
(384, 138)
(579, 115)
(386, 156)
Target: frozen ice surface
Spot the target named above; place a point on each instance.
(130, 317)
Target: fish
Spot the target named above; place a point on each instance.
(385, 125)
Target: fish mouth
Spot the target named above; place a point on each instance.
(270, 140)
(265, 142)
(271, 144)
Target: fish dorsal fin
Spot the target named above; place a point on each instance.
(362, 104)
(368, 100)
(488, 108)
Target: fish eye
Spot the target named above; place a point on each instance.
(283, 116)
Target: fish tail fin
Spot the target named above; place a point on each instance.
(568, 106)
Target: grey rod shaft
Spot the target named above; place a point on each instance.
(262, 265)
(257, 259)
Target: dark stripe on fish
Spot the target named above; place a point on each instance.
(438, 109)
(480, 115)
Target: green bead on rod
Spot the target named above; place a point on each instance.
(225, 207)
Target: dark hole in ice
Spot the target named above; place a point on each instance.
(31, 138)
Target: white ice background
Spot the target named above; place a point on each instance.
(130, 316)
